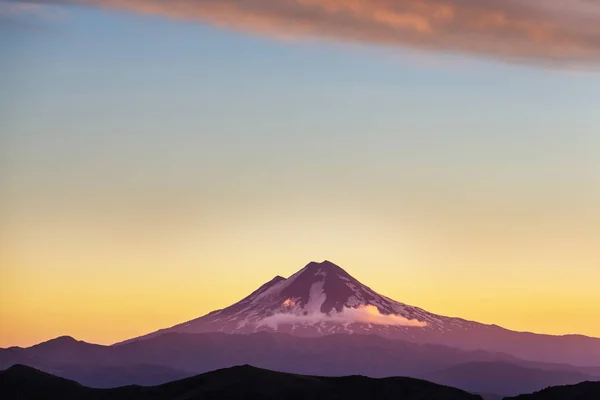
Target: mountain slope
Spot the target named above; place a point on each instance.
(234, 383)
(581, 391)
(323, 299)
(21, 382)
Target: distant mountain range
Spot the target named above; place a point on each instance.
(178, 355)
(323, 322)
(244, 382)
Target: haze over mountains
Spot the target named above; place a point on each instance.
(178, 355)
(323, 322)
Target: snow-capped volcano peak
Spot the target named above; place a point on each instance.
(319, 287)
(321, 298)
(323, 288)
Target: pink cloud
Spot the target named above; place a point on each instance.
(551, 32)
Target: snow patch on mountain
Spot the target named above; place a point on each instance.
(316, 298)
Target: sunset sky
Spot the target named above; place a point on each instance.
(162, 159)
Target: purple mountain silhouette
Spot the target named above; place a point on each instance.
(323, 299)
(178, 355)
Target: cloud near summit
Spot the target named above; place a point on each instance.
(543, 32)
(368, 314)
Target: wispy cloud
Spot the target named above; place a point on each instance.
(549, 32)
(18, 9)
(365, 314)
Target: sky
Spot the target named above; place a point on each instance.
(159, 160)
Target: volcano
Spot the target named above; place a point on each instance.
(323, 299)
(319, 299)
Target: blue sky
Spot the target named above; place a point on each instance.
(96, 84)
(153, 144)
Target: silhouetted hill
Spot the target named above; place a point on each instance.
(503, 378)
(243, 382)
(21, 382)
(487, 396)
(581, 391)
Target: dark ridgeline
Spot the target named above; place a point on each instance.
(581, 391)
(243, 382)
